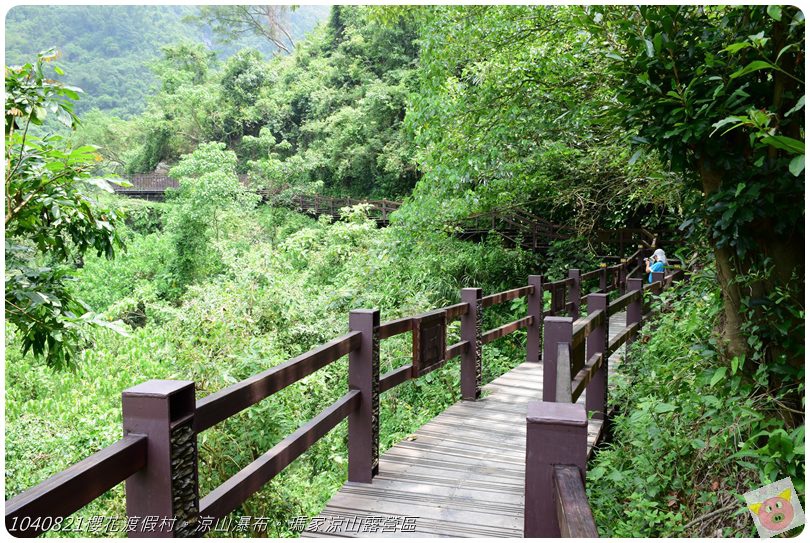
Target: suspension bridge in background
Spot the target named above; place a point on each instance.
(517, 226)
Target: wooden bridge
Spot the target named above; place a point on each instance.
(517, 226)
(508, 460)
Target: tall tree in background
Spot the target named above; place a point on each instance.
(232, 22)
(52, 217)
(718, 91)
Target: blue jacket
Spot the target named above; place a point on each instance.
(657, 267)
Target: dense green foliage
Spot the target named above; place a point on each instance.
(328, 115)
(719, 93)
(52, 217)
(107, 50)
(512, 110)
(595, 118)
(684, 451)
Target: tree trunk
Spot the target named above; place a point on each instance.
(726, 273)
(785, 251)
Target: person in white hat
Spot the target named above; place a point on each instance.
(657, 263)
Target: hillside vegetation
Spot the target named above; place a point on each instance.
(685, 120)
(108, 51)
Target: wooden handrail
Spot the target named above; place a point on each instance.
(395, 377)
(227, 402)
(496, 333)
(500, 297)
(233, 492)
(622, 301)
(583, 377)
(68, 491)
(586, 325)
(573, 510)
(395, 327)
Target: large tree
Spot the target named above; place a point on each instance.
(719, 92)
(52, 217)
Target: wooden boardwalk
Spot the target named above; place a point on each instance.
(461, 474)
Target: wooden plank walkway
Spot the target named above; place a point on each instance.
(459, 475)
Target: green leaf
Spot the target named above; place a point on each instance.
(664, 408)
(752, 67)
(775, 12)
(797, 165)
(719, 374)
(799, 105)
(785, 143)
(735, 47)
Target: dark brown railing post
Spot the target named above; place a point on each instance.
(471, 325)
(634, 307)
(534, 340)
(167, 487)
(556, 434)
(575, 292)
(659, 277)
(596, 393)
(623, 276)
(603, 273)
(364, 375)
(641, 255)
(556, 330)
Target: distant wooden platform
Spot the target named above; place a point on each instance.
(460, 475)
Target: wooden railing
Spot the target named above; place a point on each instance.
(515, 224)
(157, 457)
(328, 205)
(575, 360)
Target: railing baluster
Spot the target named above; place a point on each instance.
(167, 487)
(659, 277)
(634, 307)
(602, 278)
(596, 393)
(563, 392)
(574, 293)
(534, 339)
(556, 330)
(471, 326)
(364, 375)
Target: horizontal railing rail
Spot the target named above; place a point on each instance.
(573, 513)
(232, 493)
(68, 491)
(233, 399)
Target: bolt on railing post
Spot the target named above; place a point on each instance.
(634, 307)
(364, 375)
(596, 392)
(556, 330)
(167, 488)
(534, 340)
(471, 325)
(556, 434)
(575, 292)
